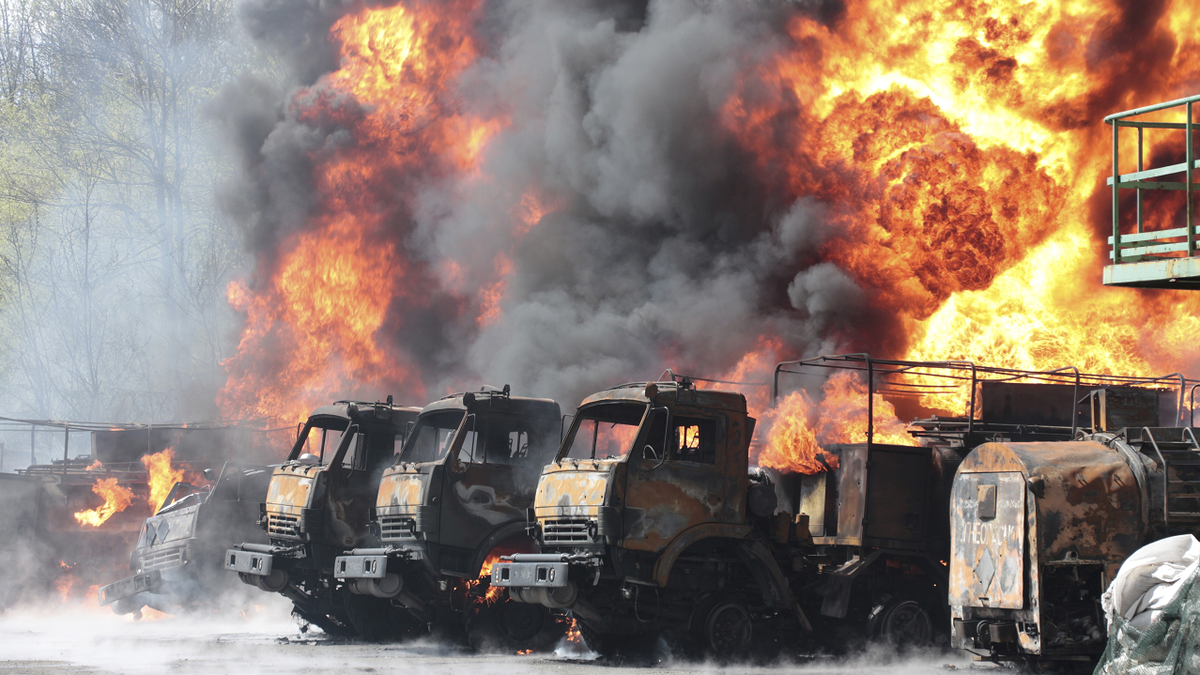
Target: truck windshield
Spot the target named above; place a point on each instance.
(431, 437)
(322, 437)
(606, 430)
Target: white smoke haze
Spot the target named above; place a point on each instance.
(69, 637)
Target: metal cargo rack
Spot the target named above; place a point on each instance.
(980, 421)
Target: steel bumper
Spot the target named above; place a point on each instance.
(259, 563)
(130, 586)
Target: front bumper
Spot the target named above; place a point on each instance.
(130, 586)
(365, 570)
(251, 559)
(545, 578)
(260, 565)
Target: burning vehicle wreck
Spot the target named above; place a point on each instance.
(451, 504)
(317, 507)
(651, 522)
(176, 562)
(1041, 529)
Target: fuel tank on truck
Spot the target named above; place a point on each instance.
(1038, 530)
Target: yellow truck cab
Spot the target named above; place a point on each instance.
(643, 523)
(317, 507)
(455, 500)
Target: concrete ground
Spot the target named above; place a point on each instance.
(57, 638)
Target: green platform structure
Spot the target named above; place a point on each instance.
(1160, 258)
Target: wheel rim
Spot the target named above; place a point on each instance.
(907, 624)
(520, 621)
(727, 630)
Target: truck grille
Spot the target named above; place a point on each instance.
(161, 559)
(283, 526)
(566, 531)
(397, 528)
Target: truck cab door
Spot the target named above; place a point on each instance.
(677, 478)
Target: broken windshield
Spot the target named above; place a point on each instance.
(431, 437)
(604, 431)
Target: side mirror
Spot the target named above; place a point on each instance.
(210, 475)
(648, 452)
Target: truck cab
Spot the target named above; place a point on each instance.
(643, 523)
(454, 500)
(317, 507)
(175, 563)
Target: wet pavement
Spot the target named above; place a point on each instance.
(57, 638)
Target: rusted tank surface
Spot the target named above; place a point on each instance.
(1038, 531)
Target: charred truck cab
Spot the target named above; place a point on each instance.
(453, 502)
(318, 506)
(1040, 529)
(176, 562)
(644, 525)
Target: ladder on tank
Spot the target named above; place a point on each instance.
(1178, 453)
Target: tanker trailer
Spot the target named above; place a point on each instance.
(1039, 530)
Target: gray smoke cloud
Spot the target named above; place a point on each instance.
(664, 248)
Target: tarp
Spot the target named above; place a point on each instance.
(1153, 611)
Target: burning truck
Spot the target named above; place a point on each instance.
(450, 506)
(177, 560)
(317, 507)
(650, 520)
(1039, 530)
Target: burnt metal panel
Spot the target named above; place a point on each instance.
(1028, 403)
(897, 496)
(987, 569)
(878, 496)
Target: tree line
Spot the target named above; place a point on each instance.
(114, 257)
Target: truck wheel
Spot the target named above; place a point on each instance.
(905, 623)
(725, 628)
(513, 626)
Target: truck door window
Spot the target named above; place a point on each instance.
(606, 430)
(470, 449)
(694, 439)
(506, 443)
(431, 437)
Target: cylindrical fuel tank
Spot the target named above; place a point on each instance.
(1038, 530)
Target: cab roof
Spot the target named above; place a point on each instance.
(368, 412)
(669, 393)
(497, 400)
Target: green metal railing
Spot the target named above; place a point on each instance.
(1160, 243)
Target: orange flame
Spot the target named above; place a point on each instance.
(116, 499)
(795, 444)
(313, 321)
(962, 154)
(574, 636)
(162, 477)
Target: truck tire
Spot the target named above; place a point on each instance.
(723, 628)
(508, 626)
(904, 622)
